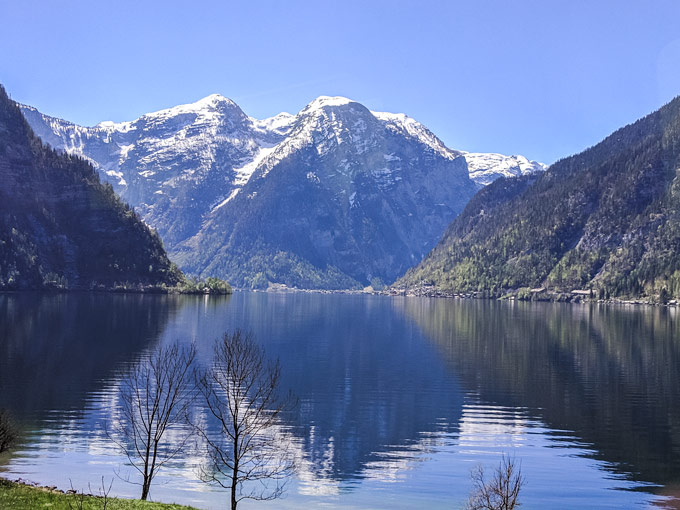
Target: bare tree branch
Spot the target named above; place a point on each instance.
(241, 392)
(501, 492)
(155, 395)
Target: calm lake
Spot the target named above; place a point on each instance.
(399, 397)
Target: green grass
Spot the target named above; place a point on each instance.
(16, 496)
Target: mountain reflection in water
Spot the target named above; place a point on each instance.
(399, 397)
(609, 374)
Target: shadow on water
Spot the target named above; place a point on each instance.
(369, 384)
(384, 385)
(55, 349)
(609, 374)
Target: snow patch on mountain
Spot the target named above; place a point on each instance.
(108, 126)
(208, 109)
(279, 124)
(324, 101)
(198, 157)
(243, 173)
(405, 125)
(215, 120)
(484, 168)
(118, 175)
(373, 190)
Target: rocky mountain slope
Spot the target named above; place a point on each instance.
(607, 219)
(336, 196)
(60, 227)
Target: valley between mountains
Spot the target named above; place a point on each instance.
(334, 197)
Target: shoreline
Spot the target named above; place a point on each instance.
(150, 290)
(574, 297)
(22, 494)
(553, 297)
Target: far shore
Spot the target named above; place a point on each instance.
(536, 295)
(574, 297)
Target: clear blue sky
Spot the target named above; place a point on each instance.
(540, 78)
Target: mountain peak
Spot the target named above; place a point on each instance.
(212, 180)
(209, 105)
(323, 101)
(215, 100)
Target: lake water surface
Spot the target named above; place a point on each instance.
(399, 397)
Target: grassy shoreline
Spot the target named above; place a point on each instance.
(20, 495)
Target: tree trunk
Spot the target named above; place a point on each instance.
(145, 490)
(234, 473)
(146, 482)
(233, 493)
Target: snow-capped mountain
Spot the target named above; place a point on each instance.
(335, 196)
(485, 168)
(174, 165)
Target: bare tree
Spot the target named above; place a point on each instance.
(241, 393)
(7, 431)
(77, 500)
(501, 492)
(103, 493)
(155, 395)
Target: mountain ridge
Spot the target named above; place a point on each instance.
(495, 165)
(606, 219)
(182, 167)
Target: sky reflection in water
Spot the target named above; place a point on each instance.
(399, 397)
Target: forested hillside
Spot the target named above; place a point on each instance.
(60, 227)
(607, 219)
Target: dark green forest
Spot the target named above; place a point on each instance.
(60, 227)
(607, 219)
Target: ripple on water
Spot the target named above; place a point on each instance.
(399, 399)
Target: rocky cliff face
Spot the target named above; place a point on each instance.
(60, 227)
(346, 198)
(336, 196)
